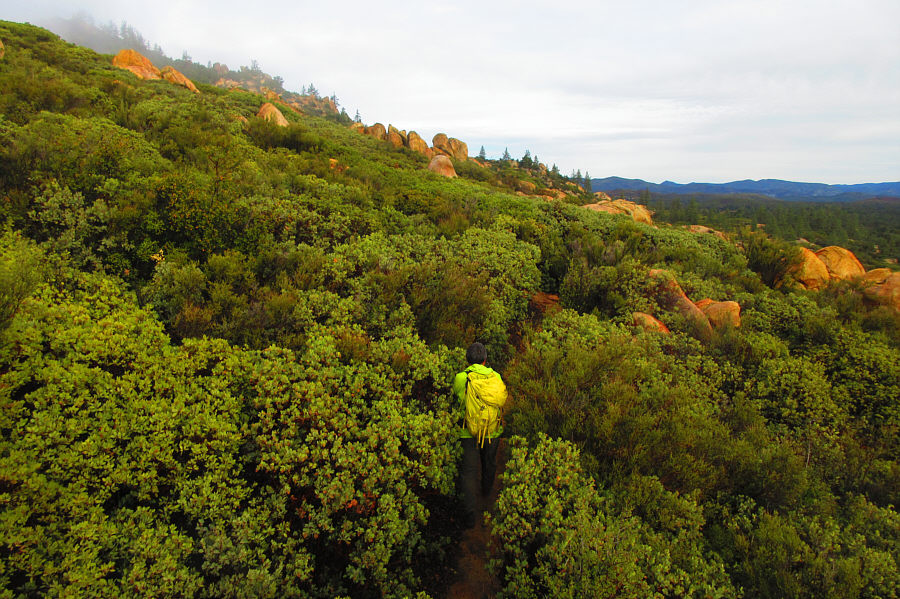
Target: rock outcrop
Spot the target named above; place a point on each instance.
(415, 143)
(271, 113)
(2, 50)
(442, 165)
(396, 137)
(811, 272)
(137, 64)
(450, 146)
(701, 230)
(377, 131)
(172, 75)
(602, 196)
(721, 314)
(883, 287)
(358, 127)
(841, 263)
(649, 323)
(228, 84)
(527, 187)
(670, 295)
(636, 211)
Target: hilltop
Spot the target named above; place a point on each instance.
(229, 325)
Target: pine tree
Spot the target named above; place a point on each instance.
(526, 161)
(506, 155)
(357, 118)
(482, 155)
(587, 182)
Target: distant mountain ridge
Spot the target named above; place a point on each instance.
(783, 190)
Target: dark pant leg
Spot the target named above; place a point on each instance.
(488, 465)
(468, 479)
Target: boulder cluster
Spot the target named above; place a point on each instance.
(441, 145)
(703, 317)
(834, 263)
(141, 66)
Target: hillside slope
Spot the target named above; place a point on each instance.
(226, 349)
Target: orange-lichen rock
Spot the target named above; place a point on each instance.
(228, 84)
(721, 314)
(883, 287)
(358, 127)
(172, 75)
(649, 323)
(636, 211)
(415, 143)
(2, 50)
(137, 64)
(271, 113)
(671, 296)
(602, 196)
(450, 146)
(841, 263)
(396, 137)
(377, 131)
(526, 187)
(811, 272)
(442, 165)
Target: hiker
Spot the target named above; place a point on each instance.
(481, 394)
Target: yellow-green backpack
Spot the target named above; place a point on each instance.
(485, 396)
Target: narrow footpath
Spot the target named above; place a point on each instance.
(471, 579)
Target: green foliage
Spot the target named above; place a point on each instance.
(867, 228)
(771, 259)
(276, 419)
(557, 536)
(795, 555)
(20, 272)
(132, 466)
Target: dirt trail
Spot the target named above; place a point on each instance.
(472, 580)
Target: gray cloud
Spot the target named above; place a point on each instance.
(696, 90)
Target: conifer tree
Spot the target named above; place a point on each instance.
(506, 155)
(482, 155)
(526, 161)
(587, 182)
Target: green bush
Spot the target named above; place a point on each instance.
(556, 536)
(130, 466)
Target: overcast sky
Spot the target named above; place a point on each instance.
(687, 90)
